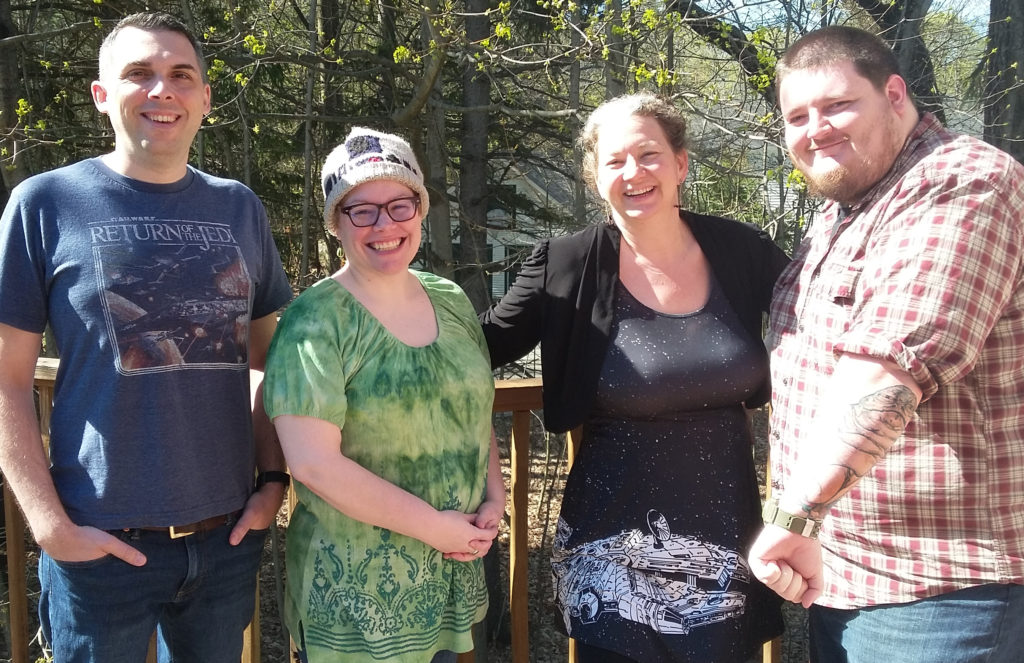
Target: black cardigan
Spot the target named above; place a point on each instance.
(564, 294)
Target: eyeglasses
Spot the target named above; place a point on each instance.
(366, 214)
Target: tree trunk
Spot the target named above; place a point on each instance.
(669, 50)
(575, 125)
(14, 169)
(386, 14)
(900, 23)
(438, 254)
(238, 23)
(473, 167)
(615, 70)
(308, 182)
(1004, 80)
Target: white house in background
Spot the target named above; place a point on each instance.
(511, 230)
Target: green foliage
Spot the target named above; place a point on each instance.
(255, 46)
(368, 63)
(216, 69)
(642, 74)
(760, 82)
(402, 54)
(23, 109)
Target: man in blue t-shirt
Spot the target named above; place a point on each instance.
(161, 285)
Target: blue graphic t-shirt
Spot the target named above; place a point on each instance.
(173, 292)
(149, 290)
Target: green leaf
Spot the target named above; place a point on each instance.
(23, 109)
(401, 54)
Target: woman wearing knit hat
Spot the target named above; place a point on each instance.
(380, 389)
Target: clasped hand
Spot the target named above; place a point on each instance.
(485, 528)
(789, 564)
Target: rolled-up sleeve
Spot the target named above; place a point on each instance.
(941, 271)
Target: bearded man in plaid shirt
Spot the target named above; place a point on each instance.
(897, 337)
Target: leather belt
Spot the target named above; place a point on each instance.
(211, 523)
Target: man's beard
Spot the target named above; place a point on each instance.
(838, 184)
(847, 185)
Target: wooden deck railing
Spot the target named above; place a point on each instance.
(14, 524)
(520, 397)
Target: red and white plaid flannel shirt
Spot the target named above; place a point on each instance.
(926, 272)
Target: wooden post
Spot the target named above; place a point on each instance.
(519, 539)
(771, 652)
(251, 638)
(17, 591)
(575, 438)
(519, 397)
(16, 588)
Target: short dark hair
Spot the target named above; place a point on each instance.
(642, 104)
(155, 22)
(870, 56)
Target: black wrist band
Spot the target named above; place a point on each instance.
(263, 478)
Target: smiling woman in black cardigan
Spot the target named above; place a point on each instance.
(650, 334)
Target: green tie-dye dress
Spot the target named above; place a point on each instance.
(417, 416)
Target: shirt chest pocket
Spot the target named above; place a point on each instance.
(834, 297)
(839, 284)
(829, 306)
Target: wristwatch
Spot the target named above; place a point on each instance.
(263, 478)
(802, 525)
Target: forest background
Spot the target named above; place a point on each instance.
(492, 94)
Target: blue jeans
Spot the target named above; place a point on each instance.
(983, 624)
(197, 592)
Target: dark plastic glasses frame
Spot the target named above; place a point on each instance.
(389, 206)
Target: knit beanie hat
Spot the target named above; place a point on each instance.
(365, 156)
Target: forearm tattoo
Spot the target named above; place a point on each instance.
(868, 430)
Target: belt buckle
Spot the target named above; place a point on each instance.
(175, 534)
